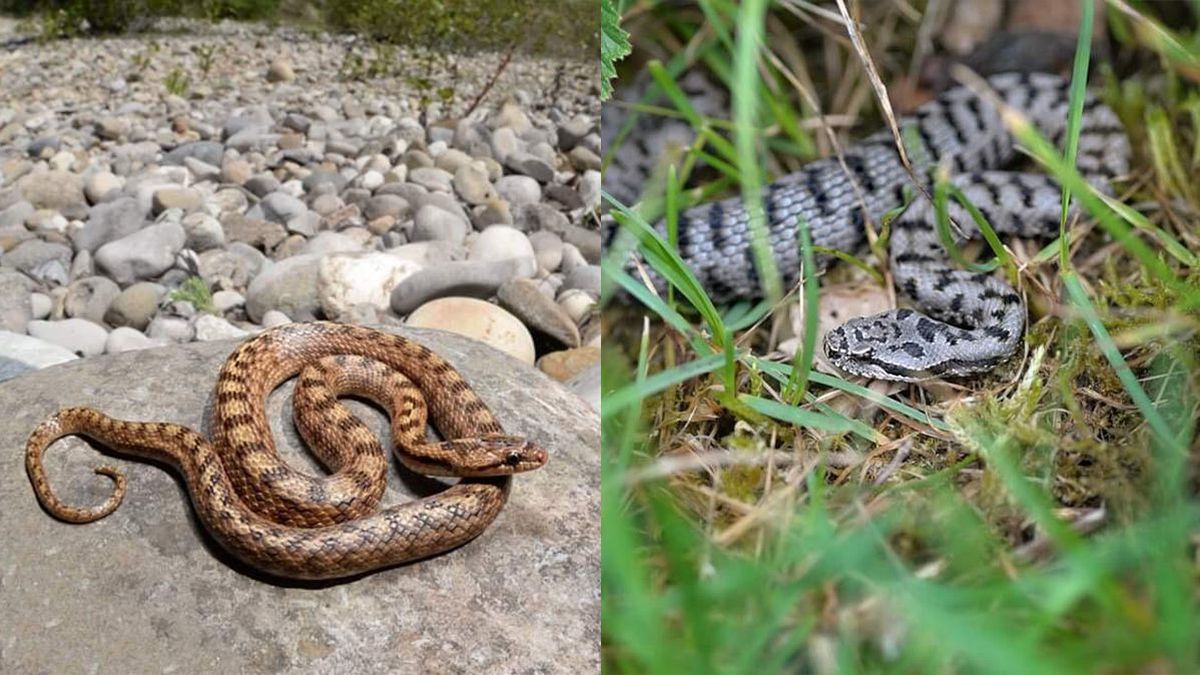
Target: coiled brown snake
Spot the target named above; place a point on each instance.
(284, 522)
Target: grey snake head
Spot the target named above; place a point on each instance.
(866, 347)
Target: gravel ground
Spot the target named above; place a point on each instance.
(132, 169)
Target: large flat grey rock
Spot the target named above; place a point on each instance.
(145, 590)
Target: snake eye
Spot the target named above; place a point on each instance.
(862, 350)
(513, 458)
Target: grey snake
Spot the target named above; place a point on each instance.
(966, 322)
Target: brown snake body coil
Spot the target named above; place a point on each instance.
(292, 525)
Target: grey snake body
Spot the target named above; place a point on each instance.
(969, 322)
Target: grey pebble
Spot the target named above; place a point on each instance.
(209, 152)
(203, 232)
(432, 179)
(278, 207)
(387, 205)
(125, 339)
(21, 353)
(587, 241)
(39, 305)
(57, 190)
(538, 312)
(319, 177)
(32, 255)
(170, 329)
(16, 215)
(530, 165)
(467, 278)
(109, 221)
(144, 254)
(208, 327)
(432, 223)
(540, 216)
(16, 305)
(331, 242)
(262, 184)
(135, 305)
(289, 286)
(584, 278)
(519, 190)
(548, 249)
(273, 318)
(78, 336)
(90, 297)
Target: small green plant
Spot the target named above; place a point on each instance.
(380, 62)
(614, 46)
(353, 66)
(143, 59)
(196, 291)
(384, 63)
(70, 18)
(564, 28)
(425, 65)
(177, 82)
(28, 25)
(211, 10)
(206, 54)
(215, 10)
(62, 23)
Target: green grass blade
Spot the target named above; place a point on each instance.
(684, 105)
(743, 315)
(942, 191)
(1079, 76)
(809, 419)
(1169, 565)
(797, 384)
(666, 261)
(620, 277)
(781, 372)
(751, 16)
(1069, 177)
(633, 394)
(1083, 304)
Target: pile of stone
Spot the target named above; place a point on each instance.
(276, 190)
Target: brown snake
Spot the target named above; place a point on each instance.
(284, 522)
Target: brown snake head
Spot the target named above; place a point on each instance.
(479, 456)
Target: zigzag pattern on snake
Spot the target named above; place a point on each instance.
(291, 525)
(971, 322)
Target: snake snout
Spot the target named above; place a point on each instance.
(535, 454)
(857, 338)
(839, 346)
(850, 348)
(528, 455)
(835, 342)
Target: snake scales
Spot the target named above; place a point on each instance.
(971, 321)
(292, 525)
